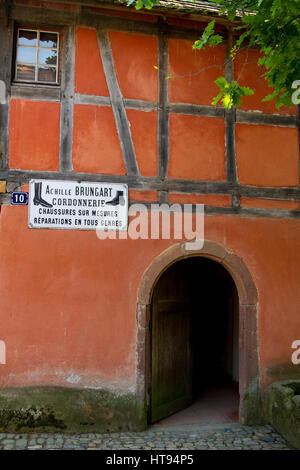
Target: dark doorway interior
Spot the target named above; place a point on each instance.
(194, 344)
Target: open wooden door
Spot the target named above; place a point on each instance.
(171, 357)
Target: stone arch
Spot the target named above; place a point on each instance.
(247, 293)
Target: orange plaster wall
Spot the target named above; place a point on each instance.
(68, 299)
(186, 85)
(34, 135)
(197, 148)
(217, 200)
(57, 302)
(267, 155)
(144, 136)
(247, 73)
(96, 145)
(136, 195)
(89, 74)
(135, 57)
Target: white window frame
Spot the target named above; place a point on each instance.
(36, 64)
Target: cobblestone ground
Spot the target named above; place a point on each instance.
(191, 437)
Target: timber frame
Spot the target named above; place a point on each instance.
(83, 14)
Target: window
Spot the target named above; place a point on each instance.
(37, 56)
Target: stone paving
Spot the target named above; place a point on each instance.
(231, 436)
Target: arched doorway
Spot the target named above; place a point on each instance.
(248, 368)
(194, 343)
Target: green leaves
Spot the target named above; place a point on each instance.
(231, 93)
(275, 29)
(208, 37)
(270, 26)
(139, 4)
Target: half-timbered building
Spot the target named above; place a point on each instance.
(114, 333)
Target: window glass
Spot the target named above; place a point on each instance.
(37, 56)
(25, 73)
(26, 54)
(48, 40)
(47, 56)
(46, 74)
(27, 38)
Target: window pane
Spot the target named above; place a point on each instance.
(47, 74)
(27, 38)
(47, 56)
(48, 40)
(37, 56)
(26, 54)
(25, 72)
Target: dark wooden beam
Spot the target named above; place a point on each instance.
(140, 105)
(157, 184)
(30, 15)
(231, 169)
(67, 100)
(244, 212)
(163, 113)
(85, 17)
(35, 92)
(6, 40)
(196, 110)
(186, 13)
(247, 117)
(253, 212)
(92, 99)
(118, 107)
(106, 101)
(163, 197)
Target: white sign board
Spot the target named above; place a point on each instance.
(80, 206)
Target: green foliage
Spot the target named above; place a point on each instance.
(272, 27)
(208, 37)
(231, 93)
(139, 4)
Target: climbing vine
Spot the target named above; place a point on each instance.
(272, 27)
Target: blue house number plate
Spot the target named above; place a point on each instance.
(19, 198)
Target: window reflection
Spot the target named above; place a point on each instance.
(47, 56)
(37, 56)
(26, 73)
(48, 40)
(26, 54)
(27, 38)
(47, 74)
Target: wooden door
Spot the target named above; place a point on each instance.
(171, 357)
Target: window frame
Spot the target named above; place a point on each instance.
(38, 29)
